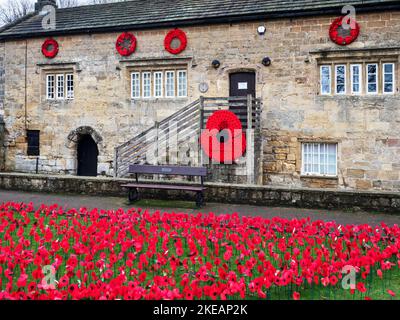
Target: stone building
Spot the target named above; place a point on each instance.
(330, 113)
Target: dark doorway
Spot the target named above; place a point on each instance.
(87, 156)
(242, 84)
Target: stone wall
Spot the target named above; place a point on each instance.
(2, 124)
(216, 192)
(2, 79)
(366, 128)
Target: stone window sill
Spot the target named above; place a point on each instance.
(305, 176)
(159, 99)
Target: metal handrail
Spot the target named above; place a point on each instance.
(190, 120)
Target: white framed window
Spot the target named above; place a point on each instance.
(319, 159)
(70, 85)
(146, 78)
(170, 84)
(356, 78)
(388, 78)
(60, 86)
(325, 79)
(135, 85)
(50, 86)
(158, 84)
(340, 79)
(372, 78)
(182, 83)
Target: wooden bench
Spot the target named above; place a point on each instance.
(133, 188)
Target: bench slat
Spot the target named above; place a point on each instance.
(169, 170)
(163, 186)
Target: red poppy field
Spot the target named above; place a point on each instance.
(49, 253)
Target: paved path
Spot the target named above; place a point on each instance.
(74, 201)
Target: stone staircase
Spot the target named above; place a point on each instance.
(175, 139)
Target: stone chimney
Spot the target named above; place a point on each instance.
(41, 3)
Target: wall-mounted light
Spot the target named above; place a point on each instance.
(266, 61)
(261, 30)
(215, 64)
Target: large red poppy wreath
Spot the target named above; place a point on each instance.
(342, 36)
(126, 44)
(50, 48)
(178, 35)
(223, 140)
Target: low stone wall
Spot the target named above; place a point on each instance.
(237, 194)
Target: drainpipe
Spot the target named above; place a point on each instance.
(26, 84)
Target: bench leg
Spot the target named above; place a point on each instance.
(199, 199)
(133, 195)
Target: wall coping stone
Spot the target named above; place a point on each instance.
(265, 195)
(211, 184)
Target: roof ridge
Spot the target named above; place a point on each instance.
(98, 5)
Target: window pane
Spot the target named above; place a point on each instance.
(325, 79)
(170, 84)
(182, 84)
(388, 88)
(70, 86)
(50, 85)
(388, 78)
(146, 76)
(135, 85)
(319, 158)
(356, 78)
(340, 72)
(388, 68)
(60, 86)
(372, 76)
(158, 84)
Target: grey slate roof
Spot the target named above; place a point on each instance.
(141, 14)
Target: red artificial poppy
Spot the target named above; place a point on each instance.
(179, 251)
(391, 293)
(296, 296)
(361, 287)
(72, 289)
(333, 280)
(22, 280)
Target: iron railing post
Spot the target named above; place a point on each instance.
(201, 114)
(250, 141)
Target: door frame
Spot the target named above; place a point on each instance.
(251, 69)
(89, 136)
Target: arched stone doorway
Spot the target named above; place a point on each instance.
(85, 143)
(87, 156)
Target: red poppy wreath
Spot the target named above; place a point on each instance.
(126, 44)
(50, 48)
(175, 34)
(223, 140)
(342, 36)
